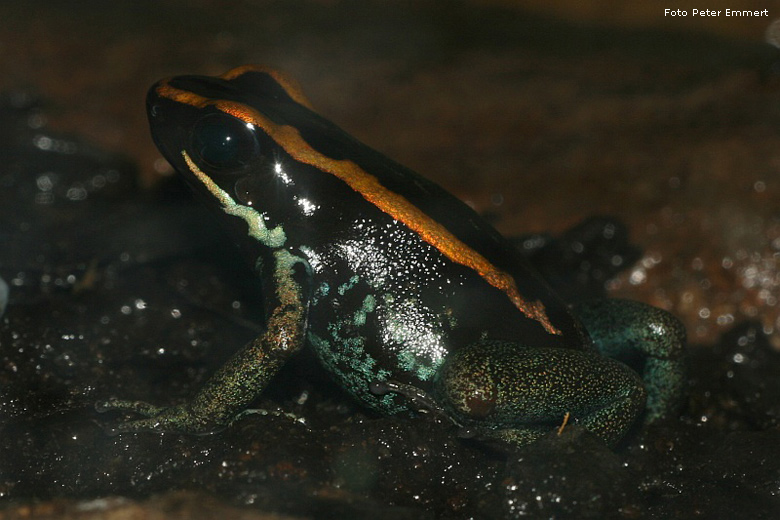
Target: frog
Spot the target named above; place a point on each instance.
(411, 301)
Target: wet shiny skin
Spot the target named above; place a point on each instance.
(408, 298)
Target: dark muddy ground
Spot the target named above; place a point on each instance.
(120, 285)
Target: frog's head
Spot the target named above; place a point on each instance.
(245, 140)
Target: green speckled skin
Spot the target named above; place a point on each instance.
(512, 393)
(408, 298)
(518, 393)
(647, 339)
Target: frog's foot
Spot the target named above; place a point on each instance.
(511, 436)
(421, 401)
(646, 338)
(158, 419)
(269, 413)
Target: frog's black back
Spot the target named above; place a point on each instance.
(264, 93)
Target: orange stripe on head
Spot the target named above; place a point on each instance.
(288, 84)
(182, 96)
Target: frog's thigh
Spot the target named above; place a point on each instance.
(518, 393)
(648, 339)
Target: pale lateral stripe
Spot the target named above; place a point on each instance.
(273, 238)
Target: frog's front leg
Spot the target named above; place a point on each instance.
(518, 394)
(241, 380)
(646, 338)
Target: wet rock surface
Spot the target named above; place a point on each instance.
(121, 287)
(153, 317)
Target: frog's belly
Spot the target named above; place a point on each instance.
(383, 337)
(362, 335)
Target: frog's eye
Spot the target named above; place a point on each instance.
(224, 143)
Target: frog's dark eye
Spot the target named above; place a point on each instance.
(224, 143)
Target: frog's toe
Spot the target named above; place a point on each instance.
(139, 407)
(155, 418)
(139, 425)
(418, 399)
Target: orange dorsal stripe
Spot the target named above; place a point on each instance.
(391, 203)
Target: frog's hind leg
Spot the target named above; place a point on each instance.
(648, 339)
(506, 391)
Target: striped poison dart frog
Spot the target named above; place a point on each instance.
(410, 300)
